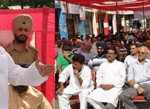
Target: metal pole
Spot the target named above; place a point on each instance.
(67, 16)
(143, 13)
(117, 18)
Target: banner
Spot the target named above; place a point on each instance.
(82, 13)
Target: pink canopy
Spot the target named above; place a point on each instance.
(134, 5)
(44, 29)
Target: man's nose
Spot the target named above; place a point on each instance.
(23, 31)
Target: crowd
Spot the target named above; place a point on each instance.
(120, 62)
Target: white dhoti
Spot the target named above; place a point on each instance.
(106, 96)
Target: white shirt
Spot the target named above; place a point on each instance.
(129, 60)
(74, 84)
(16, 75)
(109, 73)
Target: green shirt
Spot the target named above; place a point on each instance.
(62, 61)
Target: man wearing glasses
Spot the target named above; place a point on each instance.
(139, 79)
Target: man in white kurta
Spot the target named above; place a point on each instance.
(110, 79)
(16, 75)
(80, 83)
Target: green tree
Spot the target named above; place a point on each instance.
(4, 4)
(31, 3)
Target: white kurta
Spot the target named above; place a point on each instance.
(109, 73)
(14, 74)
(74, 85)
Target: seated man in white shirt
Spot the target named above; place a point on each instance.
(110, 78)
(80, 83)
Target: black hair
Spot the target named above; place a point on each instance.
(114, 49)
(109, 41)
(24, 65)
(66, 48)
(136, 45)
(78, 58)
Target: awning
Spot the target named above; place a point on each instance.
(110, 5)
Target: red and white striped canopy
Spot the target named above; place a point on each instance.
(110, 5)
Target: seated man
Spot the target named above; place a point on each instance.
(26, 97)
(29, 99)
(100, 58)
(110, 78)
(139, 79)
(80, 83)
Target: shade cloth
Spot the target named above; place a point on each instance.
(134, 5)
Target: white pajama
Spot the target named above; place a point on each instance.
(64, 100)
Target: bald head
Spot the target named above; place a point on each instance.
(22, 19)
(142, 53)
(143, 48)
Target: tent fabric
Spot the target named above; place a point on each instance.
(110, 5)
(44, 29)
(139, 14)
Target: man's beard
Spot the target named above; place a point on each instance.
(21, 38)
(100, 53)
(130, 42)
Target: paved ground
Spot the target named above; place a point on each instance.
(76, 105)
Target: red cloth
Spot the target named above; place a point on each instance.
(110, 5)
(139, 98)
(44, 28)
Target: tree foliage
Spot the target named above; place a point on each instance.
(30, 3)
(4, 3)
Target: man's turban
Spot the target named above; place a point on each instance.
(22, 19)
(103, 45)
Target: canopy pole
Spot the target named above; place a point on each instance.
(143, 14)
(67, 16)
(117, 18)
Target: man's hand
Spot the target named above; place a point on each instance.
(44, 70)
(132, 82)
(140, 90)
(67, 54)
(60, 91)
(106, 86)
(76, 72)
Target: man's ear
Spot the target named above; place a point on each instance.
(116, 55)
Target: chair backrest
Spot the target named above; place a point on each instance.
(93, 75)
